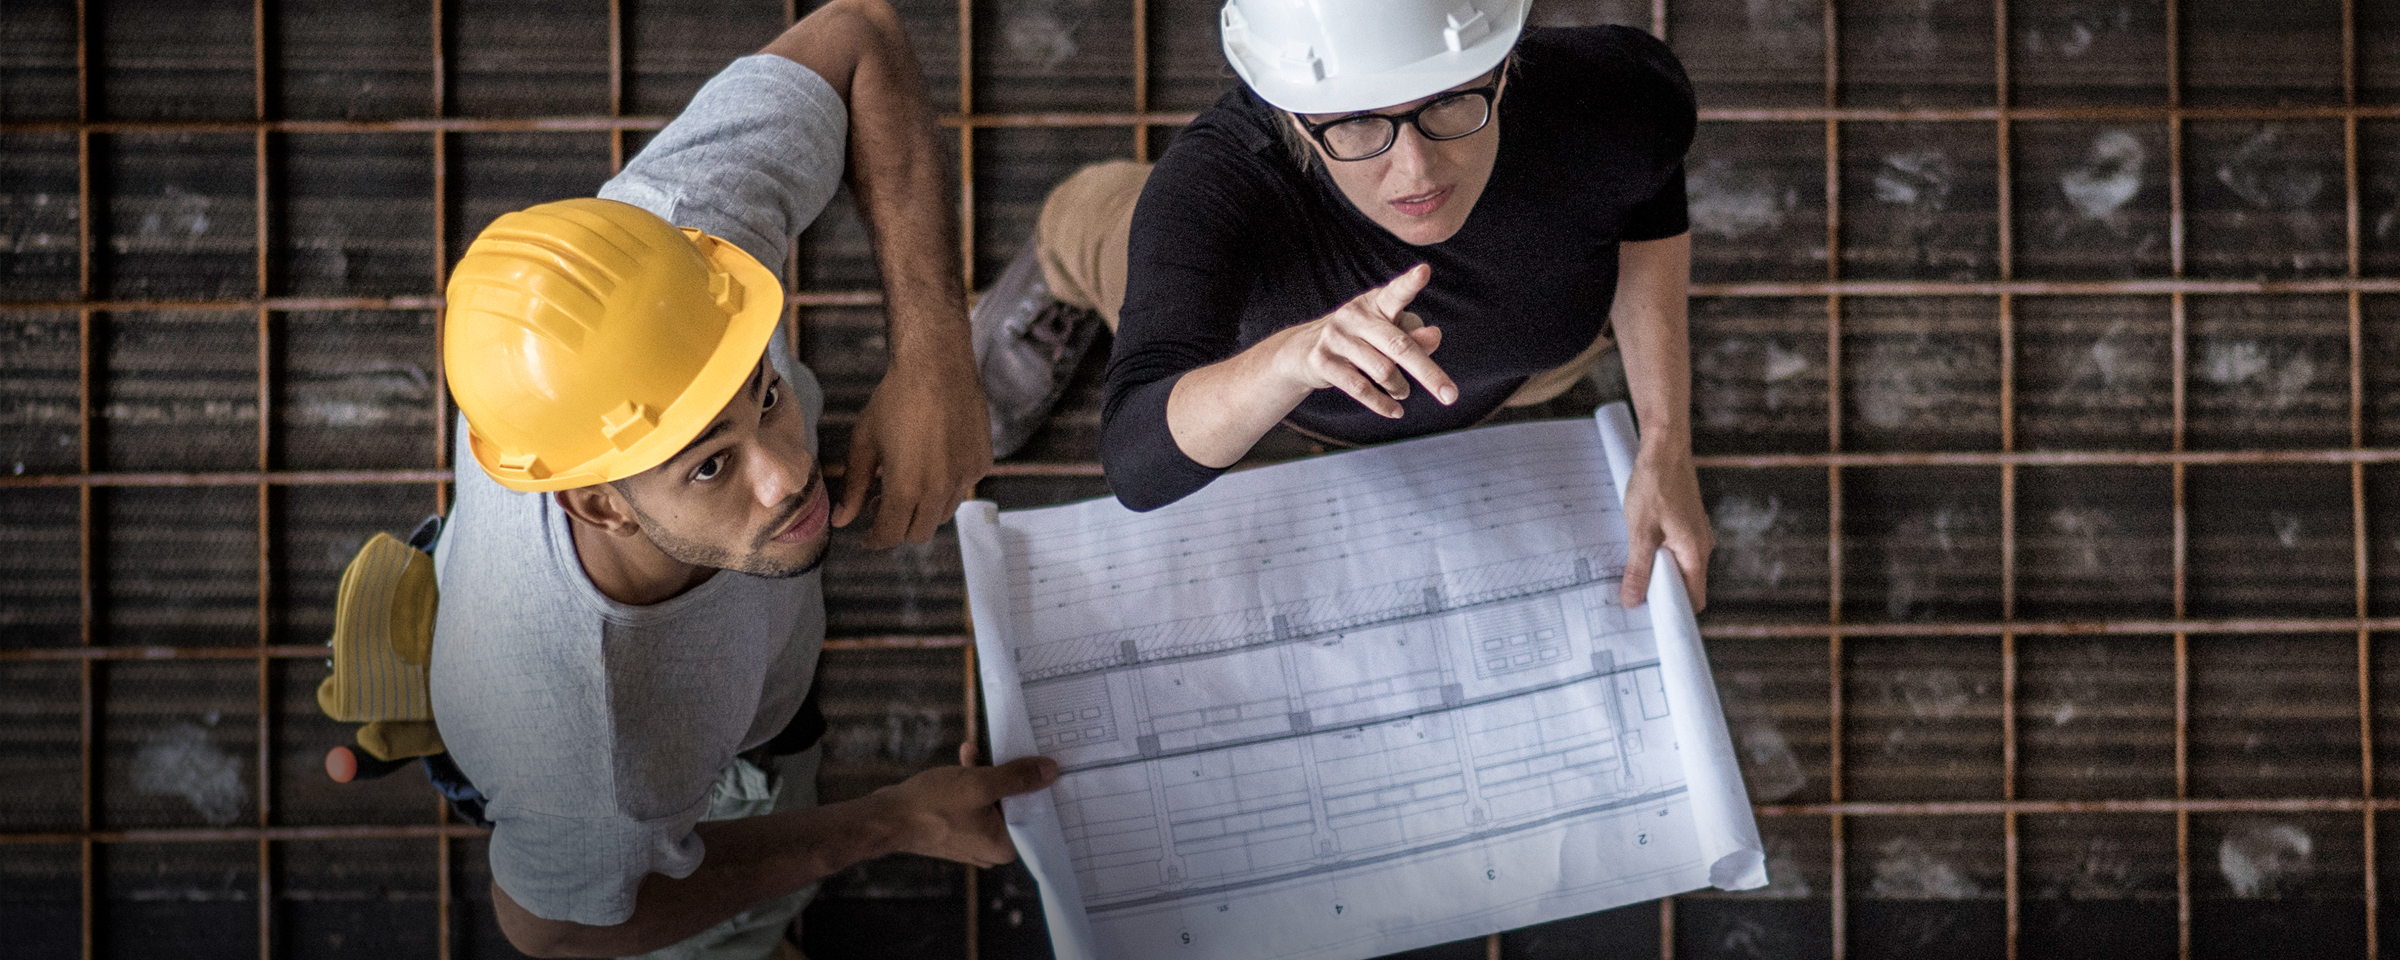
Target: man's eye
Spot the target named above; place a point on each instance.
(773, 391)
(708, 469)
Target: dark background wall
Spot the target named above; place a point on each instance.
(2044, 378)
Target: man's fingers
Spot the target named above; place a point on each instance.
(1638, 559)
(1022, 775)
(857, 475)
(892, 518)
(968, 755)
(1393, 297)
(926, 518)
(1409, 321)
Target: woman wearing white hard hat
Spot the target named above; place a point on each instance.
(1413, 213)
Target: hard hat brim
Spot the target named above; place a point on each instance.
(747, 333)
(1382, 88)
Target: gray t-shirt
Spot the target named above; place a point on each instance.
(596, 729)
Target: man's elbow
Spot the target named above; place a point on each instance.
(537, 937)
(872, 21)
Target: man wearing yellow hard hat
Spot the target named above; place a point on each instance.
(630, 616)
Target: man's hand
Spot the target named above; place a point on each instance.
(1663, 509)
(1364, 347)
(953, 812)
(926, 436)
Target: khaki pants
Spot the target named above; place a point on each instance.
(744, 789)
(1088, 220)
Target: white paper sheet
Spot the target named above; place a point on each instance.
(1353, 705)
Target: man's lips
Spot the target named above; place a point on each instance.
(810, 524)
(1423, 204)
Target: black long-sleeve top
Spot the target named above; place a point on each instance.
(1233, 241)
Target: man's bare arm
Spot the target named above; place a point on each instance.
(924, 432)
(947, 812)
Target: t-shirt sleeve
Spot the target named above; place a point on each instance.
(753, 159)
(1664, 215)
(588, 870)
(1186, 283)
(1660, 100)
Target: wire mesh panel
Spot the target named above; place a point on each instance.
(2044, 364)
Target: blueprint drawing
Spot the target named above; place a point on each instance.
(1353, 705)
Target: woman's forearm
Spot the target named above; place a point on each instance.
(1653, 335)
(1218, 412)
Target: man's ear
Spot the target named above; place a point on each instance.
(602, 507)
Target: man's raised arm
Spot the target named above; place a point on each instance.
(924, 432)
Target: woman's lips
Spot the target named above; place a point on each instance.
(1423, 204)
(811, 521)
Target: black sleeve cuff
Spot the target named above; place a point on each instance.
(1144, 466)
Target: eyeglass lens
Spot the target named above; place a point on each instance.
(1446, 119)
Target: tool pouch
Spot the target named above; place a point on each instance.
(382, 644)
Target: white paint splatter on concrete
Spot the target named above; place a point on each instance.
(2071, 30)
(1041, 33)
(367, 393)
(180, 760)
(2120, 364)
(1901, 381)
(1748, 938)
(1733, 203)
(1770, 769)
(1744, 376)
(2265, 859)
(1906, 870)
(176, 219)
(1785, 880)
(1911, 34)
(2271, 174)
(1742, 523)
(2111, 174)
(2387, 219)
(1930, 693)
(2103, 870)
(1911, 581)
(2273, 377)
(2084, 529)
(2287, 528)
(1916, 178)
(1784, 24)
(1783, 364)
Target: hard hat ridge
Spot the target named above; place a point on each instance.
(1340, 56)
(588, 340)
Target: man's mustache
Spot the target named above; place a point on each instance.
(799, 501)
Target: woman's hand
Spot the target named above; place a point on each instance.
(1365, 346)
(1663, 509)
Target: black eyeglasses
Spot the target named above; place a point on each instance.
(1364, 136)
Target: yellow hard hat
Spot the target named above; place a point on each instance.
(588, 340)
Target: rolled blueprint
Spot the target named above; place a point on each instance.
(1729, 834)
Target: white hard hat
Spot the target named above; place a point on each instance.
(1341, 56)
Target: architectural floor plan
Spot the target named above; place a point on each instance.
(1351, 705)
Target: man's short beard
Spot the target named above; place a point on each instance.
(709, 555)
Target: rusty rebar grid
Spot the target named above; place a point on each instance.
(2183, 629)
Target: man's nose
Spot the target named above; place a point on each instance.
(779, 474)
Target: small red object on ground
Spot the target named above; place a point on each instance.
(341, 765)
